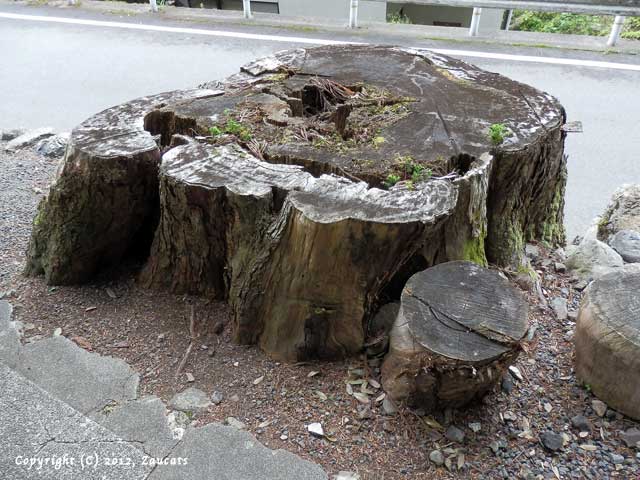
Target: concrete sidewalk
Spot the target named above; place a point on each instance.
(66, 413)
(367, 31)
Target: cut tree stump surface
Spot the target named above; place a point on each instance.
(465, 312)
(307, 188)
(459, 327)
(607, 340)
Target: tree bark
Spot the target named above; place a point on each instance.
(607, 340)
(309, 187)
(293, 253)
(103, 204)
(459, 327)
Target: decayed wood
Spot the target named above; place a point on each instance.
(103, 203)
(275, 190)
(607, 340)
(458, 329)
(292, 252)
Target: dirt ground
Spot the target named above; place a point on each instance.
(151, 331)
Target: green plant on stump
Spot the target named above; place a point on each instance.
(497, 132)
(391, 180)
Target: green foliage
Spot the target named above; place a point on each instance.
(631, 28)
(377, 141)
(497, 132)
(391, 180)
(398, 17)
(232, 127)
(597, 25)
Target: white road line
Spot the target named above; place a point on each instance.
(318, 41)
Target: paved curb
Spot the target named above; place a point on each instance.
(57, 399)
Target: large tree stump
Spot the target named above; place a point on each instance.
(300, 258)
(459, 327)
(311, 186)
(607, 340)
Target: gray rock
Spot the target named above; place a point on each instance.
(573, 315)
(623, 212)
(560, 267)
(631, 437)
(53, 146)
(7, 135)
(627, 244)
(217, 397)
(454, 434)
(219, 452)
(593, 258)
(551, 441)
(581, 423)
(389, 407)
(437, 457)
(559, 307)
(616, 459)
(29, 138)
(507, 383)
(191, 400)
(599, 407)
(532, 252)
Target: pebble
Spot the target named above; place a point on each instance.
(599, 407)
(515, 373)
(616, 459)
(315, 429)
(560, 267)
(631, 438)
(581, 423)
(475, 427)
(507, 384)
(559, 307)
(551, 441)
(437, 457)
(217, 397)
(454, 434)
(389, 407)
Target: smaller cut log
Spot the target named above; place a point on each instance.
(607, 340)
(459, 327)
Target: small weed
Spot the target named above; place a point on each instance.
(215, 131)
(378, 141)
(391, 180)
(398, 17)
(497, 132)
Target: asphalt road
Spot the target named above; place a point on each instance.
(57, 75)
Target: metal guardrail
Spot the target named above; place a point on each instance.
(619, 8)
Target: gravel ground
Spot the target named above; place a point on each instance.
(502, 436)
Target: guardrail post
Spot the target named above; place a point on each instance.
(246, 6)
(615, 31)
(353, 14)
(509, 18)
(475, 22)
(154, 5)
